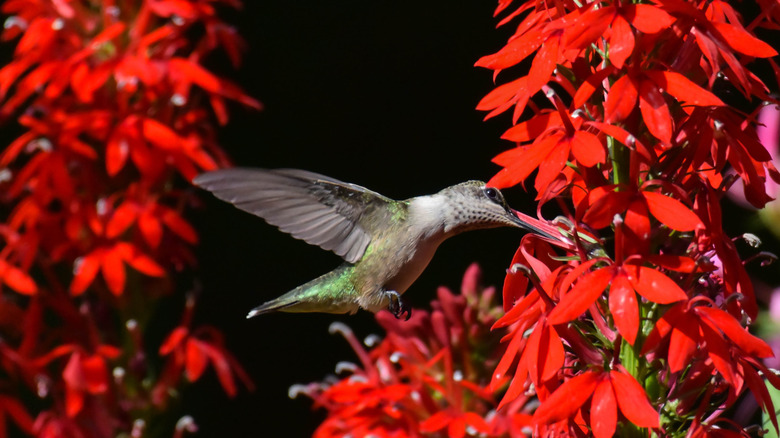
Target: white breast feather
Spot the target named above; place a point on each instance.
(429, 213)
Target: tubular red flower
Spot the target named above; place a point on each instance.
(636, 79)
(109, 98)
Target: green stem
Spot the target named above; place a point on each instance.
(619, 156)
(629, 359)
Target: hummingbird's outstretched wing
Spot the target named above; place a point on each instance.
(315, 208)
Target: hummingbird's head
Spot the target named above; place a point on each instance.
(474, 205)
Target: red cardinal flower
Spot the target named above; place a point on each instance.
(651, 284)
(116, 111)
(609, 392)
(191, 351)
(111, 261)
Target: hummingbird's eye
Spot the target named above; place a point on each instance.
(493, 194)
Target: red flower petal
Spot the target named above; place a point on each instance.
(624, 308)
(108, 351)
(514, 52)
(17, 279)
(95, 374)
(673, 262)
(435, 422)
(654, 285)
(195, 359)
(222, 367)
(743, 42)
(621, 100)
(603, 211)
(117, 151)
(74, 401)
(173, 340)
(683, 89)
(151, 228)
(175, 223)
(85, 271)
(671, 212)
(683, 342)
(718, 352)
(624, 137)
(581, 296)
(544, 352)
(113, 270)
(141, 262)
(521, 161)
(593, 83)
(636, 230)
(632, 400)
(588, 27)
(567, 399)
(732, 328)
(663, 327)
(647, 18)
(210, 82)
(655, 112)
(121, 219)
(533, 128)
(544, 63)
(621, 43)
(603, 410)
(551, 167)
(477, 422)
(502, 96)
(759, 389)
(161, 135)
(587, 149)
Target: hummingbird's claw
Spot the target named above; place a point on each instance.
(397, 306)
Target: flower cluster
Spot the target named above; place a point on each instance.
(640, 326)
(428, 377)
(115, 107)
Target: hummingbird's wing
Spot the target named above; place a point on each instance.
(315, 208)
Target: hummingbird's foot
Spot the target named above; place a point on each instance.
(397, 306)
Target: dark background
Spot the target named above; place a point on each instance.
(377, 93)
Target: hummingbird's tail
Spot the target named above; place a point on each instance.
(276, 305)
(329, 293)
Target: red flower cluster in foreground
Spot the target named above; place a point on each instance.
(114, 106)
(655, 292)
(635, 324)
(429, 376)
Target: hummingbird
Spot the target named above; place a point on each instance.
(386, 244)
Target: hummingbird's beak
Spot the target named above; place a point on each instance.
(535, 225)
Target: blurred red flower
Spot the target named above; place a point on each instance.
(116, 109)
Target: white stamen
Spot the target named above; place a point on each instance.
(178, 100)
(12, 21)
(187, 423)
(346, 366)
(372, 340)
(396, 357)
(138, 428)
